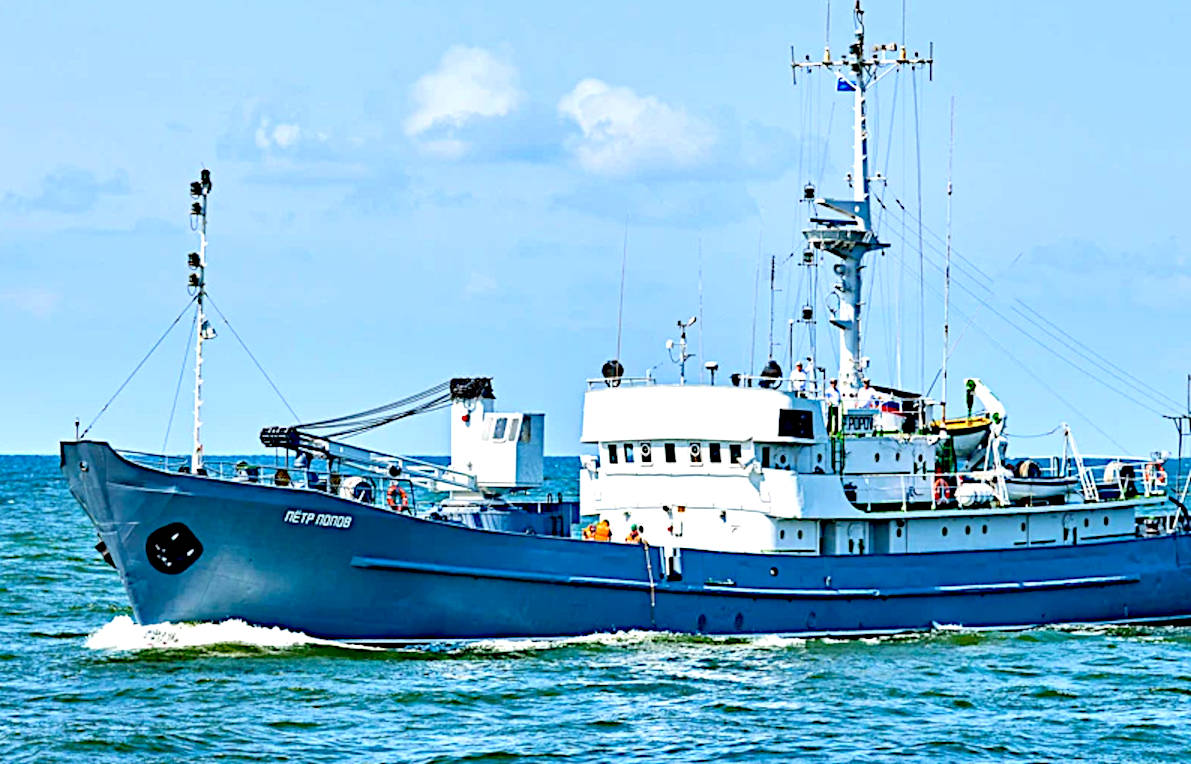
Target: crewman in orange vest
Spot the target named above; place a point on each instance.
(603, 531)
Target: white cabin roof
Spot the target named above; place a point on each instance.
(691, 412)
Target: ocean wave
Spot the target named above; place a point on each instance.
(122, 634)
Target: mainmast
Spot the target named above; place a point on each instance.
(200, 190)
(849, 238)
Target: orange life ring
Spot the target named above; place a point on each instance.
(396, 498)
(942, 490)
(1160, 476)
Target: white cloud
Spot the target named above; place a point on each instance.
(479, 284)
(36, 301)
(624, 133)
(469, 83)
(282, 136)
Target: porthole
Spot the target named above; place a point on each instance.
(899, 532)
(944, 530)
(921, 458)
(967, 530)
(1106, 519)
(781, 459)
(1085, 522)
(773, 571)
(984, 529)
(819, 458)
(1023, 526)
(799, 534)
(897, 457)
(781, 534)
(876, 457)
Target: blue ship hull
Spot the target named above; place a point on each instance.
(288, 557)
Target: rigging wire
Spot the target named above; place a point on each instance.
(431, 399)
(1104, 359)
(1038, 435)
(128, 379)
(169, 425)
(1052, 351)
(259, 368)
(1050, 388)
(1096, 356)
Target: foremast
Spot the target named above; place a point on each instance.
(200, 190)
(851, 237)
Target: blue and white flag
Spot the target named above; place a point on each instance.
(844, 85)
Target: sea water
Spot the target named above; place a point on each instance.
(80, 681)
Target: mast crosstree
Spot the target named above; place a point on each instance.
(849, 238)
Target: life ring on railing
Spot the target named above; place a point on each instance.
(397, 498)
(942, 490)
(1156, 475)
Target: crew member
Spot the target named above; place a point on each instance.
(867, 398)
(798, 378)
(832, 395)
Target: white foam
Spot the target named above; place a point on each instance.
(123, 634)
(776, 641)
(531, 644)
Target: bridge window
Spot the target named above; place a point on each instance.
(498, 429)
(713, 453)
(670, 457)
(795, 423)
(734, 453)
(628, 453)
(514, 428)
(526, 430)
(612, 453)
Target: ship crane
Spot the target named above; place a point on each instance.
(850, 237)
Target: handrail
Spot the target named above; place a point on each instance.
(595, 382)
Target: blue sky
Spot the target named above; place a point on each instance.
(409, 192)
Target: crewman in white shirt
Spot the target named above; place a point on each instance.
(832, 395)
(867, 398)
(798, 378)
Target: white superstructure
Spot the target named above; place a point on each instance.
(795, 464)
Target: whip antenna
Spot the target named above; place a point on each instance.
(624, 258)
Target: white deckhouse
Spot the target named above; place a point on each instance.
(783, 463)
